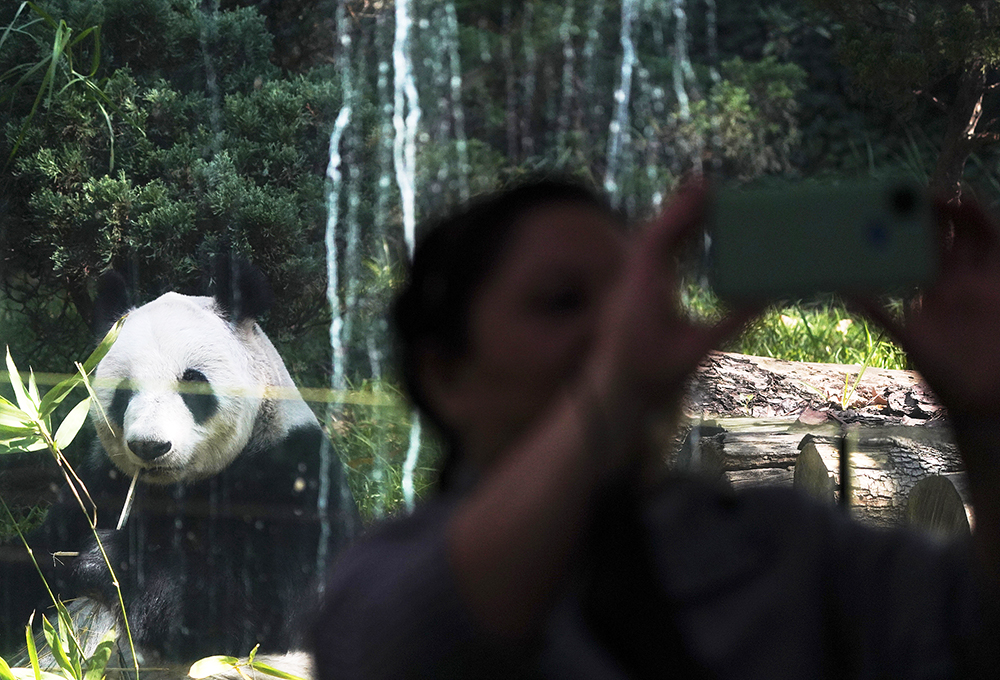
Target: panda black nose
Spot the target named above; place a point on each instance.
(148, 449)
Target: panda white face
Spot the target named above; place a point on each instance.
(179, 390)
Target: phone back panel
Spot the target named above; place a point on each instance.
(869, 237)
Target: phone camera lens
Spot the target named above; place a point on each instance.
(904, 200)
(879, 235)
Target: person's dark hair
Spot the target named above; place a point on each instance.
(452, 258)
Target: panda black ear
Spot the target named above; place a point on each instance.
(240, 289)
(111, 302)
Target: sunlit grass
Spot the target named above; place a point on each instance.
(823, 331)
(372, 437)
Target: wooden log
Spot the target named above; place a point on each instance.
(758, 476)
(886, 462)
(811, 474)
(936, 506)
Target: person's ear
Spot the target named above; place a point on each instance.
(442, 380)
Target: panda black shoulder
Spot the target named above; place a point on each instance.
(287, 468)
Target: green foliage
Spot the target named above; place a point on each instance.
(752, 111)
(217, 150)
(27, 427)
(897, 48)
(928, 64)
(825, 333)
(72, 662)
(236, 168)
(222, 665)
(20, 520)
(372, 435)
(158, 133)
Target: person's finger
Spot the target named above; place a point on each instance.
(975, 232)
(731, 325)
(683, 216)
(915, 337)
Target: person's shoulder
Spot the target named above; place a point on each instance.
(690, 508)
(396, 537)
(776, 515)
(426, 517)
(693, 494)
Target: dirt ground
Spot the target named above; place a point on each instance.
(732, 385)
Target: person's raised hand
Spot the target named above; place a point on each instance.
(953, 334)
(647, 346)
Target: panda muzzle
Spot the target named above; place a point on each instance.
(148, 449)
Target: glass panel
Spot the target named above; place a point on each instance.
(281, 157)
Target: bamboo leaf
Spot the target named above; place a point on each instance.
(25, 673)
(17, 432)
(93, 668)
(29, 674)
(32, 651)
(42, 13)
(68, 639)
(33, 387)
(13, 417)
(5, 673)
(22, 445)
(96, 61)
(102, 348)
(83, 34)
(50, 73)
(55, 396)
(211, 665)
(56, 646)
(71, 424)
(23, 400)
(21, 434)
(10, 26)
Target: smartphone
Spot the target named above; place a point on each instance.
(866, 237)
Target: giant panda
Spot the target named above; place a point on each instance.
(240, 501)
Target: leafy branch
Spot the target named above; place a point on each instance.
(27, 426)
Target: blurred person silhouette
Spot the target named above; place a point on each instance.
(541, 338)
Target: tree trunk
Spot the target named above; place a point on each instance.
(963, 118)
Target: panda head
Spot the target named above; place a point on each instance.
(180, 390)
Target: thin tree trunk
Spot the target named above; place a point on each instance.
(959, 138)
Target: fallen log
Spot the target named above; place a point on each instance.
(738, 385)
(886, 462)
(753, 419)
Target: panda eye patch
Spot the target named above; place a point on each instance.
(198, 396)
(119, 403)
(193, 375)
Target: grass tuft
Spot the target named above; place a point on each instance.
(822, 331)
